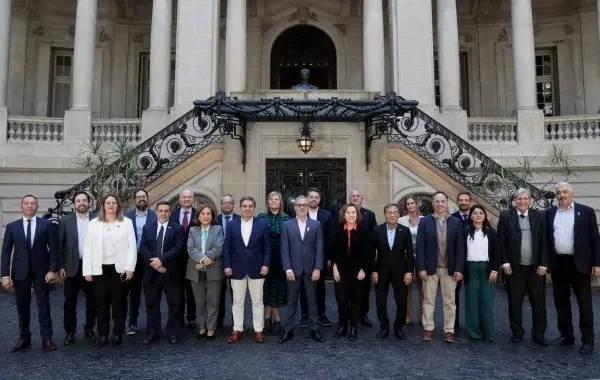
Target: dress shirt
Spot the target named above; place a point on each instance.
(33, 224)
(477, 248)
(564, 231)
(247, 230)
(189, 215)
(204, 239)
(313, 214)
(82, 226)
(349, 231)
(109, 242)
(391, 235)
(302, 227)
(140, 222)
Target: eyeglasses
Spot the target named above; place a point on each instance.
(301, 205)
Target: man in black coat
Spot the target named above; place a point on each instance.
(463, 199)
(574, 255)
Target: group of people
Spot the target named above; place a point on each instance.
(194, 255)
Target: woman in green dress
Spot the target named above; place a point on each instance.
(275, 287)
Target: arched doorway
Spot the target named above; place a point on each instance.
(303, 46)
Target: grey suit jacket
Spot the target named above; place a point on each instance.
(214, 251)
(69, 243)
(301, 255)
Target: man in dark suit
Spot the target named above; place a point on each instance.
(368, 219)
(162, 250)
(326, 220)
(463, 199)
(574, 256)
(140, 216)
(34, 261)
(522, 235)
(394, 264)
(246, 259)
(72, 231)
(185, 215)
(302, 260)
(223, 219)
(440, 261)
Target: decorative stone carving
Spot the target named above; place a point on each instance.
(39, 31)
(469, 38)
(138, 38)
(264, 27)
(503, 36)
(341, 28)
(103, 36)
(71, 31)
(568, 30)
(303, 14)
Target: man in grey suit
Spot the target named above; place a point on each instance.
(302, 259)
(72, 231)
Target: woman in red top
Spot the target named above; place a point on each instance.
(352, 258)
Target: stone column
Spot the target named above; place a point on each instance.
(448, 54)
(160, 55)
(373, 55)
(84, 54)
(235, 46)
(523, 54)
(5, 8)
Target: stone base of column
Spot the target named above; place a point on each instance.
(153, 120)
(530, 126)
(455, 120)
(78, 126)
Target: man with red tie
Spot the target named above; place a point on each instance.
(185, 215)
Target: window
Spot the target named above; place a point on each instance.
(464, 80)
(61, 82)
(546, 81)
(144, 83)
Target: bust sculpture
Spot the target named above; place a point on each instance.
(304, 85)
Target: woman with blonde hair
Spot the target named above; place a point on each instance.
(411, 220)
(275, 287)
(109, 258)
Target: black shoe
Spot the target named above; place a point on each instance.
(201, 335)
(117, 340)
(69, 339)
(316, 336)
(341, 332)
(211, 337)
(383, 333)
(398, 333)
(353, 335)
(287, 335)
(365, 321)
(586, 348)
(102, 341)
(21, 345)
(276, 327)
(191, 326)
(324, 321)
(563, 341)
(89, 334)
(48, 345)
(268, 325)
(303, 321)
(151, 338)
(539, 341)
(516, 339)
(173, 340)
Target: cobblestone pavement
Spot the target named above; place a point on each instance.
(299, 358)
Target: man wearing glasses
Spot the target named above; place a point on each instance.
(223, 219)
(140, 216)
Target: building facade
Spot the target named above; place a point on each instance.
(512, 78)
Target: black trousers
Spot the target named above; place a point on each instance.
(400, 295)
(186, 297)
(111, 298)
(457, 301)
(366, 293)
(303, 282)
(525, 280)
(564, 278)
(154, 286)
(135, 291)
(73, 286)
(348, 294)
(23, 301)
(320, 296)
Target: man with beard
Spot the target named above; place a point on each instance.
(367, 218)
(464, 204)
(72, 231)
(140, 216)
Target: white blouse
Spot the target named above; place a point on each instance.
(477, 248)
(109, 243)
(405, 221)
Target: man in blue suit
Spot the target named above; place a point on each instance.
(141, 215)
(162, 250)
(440, 260)
(302, 260)
(32, 244)
(246, 259)
(223, 219)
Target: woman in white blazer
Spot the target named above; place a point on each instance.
(109, 258)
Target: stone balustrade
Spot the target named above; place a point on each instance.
(484, 129)
(117, 129)
(570, 128)
(34, 129)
